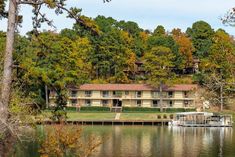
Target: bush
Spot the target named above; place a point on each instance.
(94, 109)
(72, 109)
(140, 109)
(164, 116)
(170, 110)
(147, 109)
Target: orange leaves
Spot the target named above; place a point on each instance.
(63, 140)
(185, 45)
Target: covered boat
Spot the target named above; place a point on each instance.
(201, 119)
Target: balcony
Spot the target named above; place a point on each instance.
(117, 94)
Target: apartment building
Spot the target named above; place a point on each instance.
(130, 95)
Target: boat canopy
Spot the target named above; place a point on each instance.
(195, 113)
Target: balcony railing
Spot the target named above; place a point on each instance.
(73, 95)
(87, 95)
(105, 95)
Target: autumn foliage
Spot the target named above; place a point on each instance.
(65, 141)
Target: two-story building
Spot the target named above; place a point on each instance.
(130, 95)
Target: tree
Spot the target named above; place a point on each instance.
(160, 30)
(158, 63)
(2, 9)
(165, 40)
(56, 62)
(201, 34)
(229, 18)
(59, 7)
(186, 48)
(220, 68)
(63, 141)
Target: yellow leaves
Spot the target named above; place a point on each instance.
(89, 23)
(144, 36)
(127, 38)
(63, 140)
(185, 45)
(51, 4)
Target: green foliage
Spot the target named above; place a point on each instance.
(158, 64)
(140, 109)
(147, 109)
(201, 34)
(173, 110)
(2, 8)
(169, 42)
(160, 30)
(94, 109)
(2, 48)
(53, 60)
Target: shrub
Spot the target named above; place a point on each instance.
(94, 109)
(172, 110)
(72, 109)
(164, 116)
(140, 109)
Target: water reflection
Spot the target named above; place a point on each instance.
(143, 141)
(153, 141)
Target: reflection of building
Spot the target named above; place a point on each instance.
(131, 95)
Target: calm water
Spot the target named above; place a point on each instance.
(154, 141)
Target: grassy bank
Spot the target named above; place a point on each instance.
(104, 115)
(73, 116)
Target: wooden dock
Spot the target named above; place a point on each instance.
(112, 122)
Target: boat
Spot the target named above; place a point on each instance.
(201, 119)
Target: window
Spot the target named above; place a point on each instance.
(138, 94)
(88, 102)
(155, 103)
(126, 92)
(105, 102)
(138, 103)
(88, 93)
(74, 102)
(185, 94)
(105, 94)
(74, 93)
(155, 94)
(171, 103)
(117, 93)
(170, 94)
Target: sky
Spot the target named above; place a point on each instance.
(147, 13)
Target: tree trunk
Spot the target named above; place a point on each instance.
(160, 94)
(46, 96)
(221, 98)
(8, 61)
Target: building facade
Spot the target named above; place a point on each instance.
(130, 95)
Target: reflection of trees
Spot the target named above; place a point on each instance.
(148, 141)
(200, 141)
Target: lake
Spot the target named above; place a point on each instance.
(154, 141)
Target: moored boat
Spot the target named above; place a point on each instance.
(201, 119)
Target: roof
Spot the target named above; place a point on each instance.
(135, 87)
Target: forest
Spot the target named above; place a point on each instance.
(98, 50)
(113, 51)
